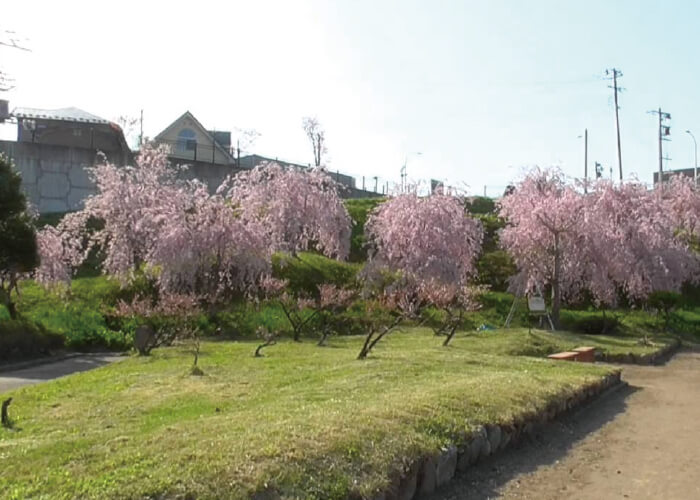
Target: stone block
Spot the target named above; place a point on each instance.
(49, 205)
(427, 478)
(446, 466)
(55, 166)
(80, 177)
(506, 438)
(53, 185)
(494, 435)
(76, 197)
(28, 170)
(407, 486)
(32, 192)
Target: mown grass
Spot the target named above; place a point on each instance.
(306, 421)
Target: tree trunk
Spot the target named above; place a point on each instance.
(11, 309)
(365, 348)
(6, 300)
(556, 290)
(6, 422)
(450, 335)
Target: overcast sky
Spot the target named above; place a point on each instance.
(480, 88)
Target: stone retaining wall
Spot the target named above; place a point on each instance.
(424, 476)
(432, 472)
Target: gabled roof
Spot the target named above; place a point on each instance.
(201, 128)
(62, 114)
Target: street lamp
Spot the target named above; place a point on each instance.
(695, 175)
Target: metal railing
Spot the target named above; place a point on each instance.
(193, 151)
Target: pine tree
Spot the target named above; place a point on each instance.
(18, 247)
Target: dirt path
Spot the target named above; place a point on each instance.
(47, 371)
(641, 442)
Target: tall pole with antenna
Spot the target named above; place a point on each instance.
(615, 74)
(585, 161)
(664, 133)
(695, 172)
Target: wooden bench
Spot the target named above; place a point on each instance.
(586, 354)
(565, 356)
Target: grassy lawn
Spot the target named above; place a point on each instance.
(310, 422)
(518, 342)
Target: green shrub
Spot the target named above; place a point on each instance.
(24, 339)
(589, 322)
(242, 319)
(664, 302)
(480, 205)
(359, 210)
(78, 315)
(307, 270)
(495, 268)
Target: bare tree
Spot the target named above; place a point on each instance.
(12, 40)
(246, 138)
(317, 136)
(127, 124)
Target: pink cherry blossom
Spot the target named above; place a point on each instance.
(299, 209)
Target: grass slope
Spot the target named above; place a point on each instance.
(309, 422)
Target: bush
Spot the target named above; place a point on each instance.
(480, 205)
(307, 271)
(79, 315)
(359, 210)
(24, 339)
(242, 319)
(664, 302)
(589, 322)
(495, 268)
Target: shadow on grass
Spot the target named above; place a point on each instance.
(549, 444)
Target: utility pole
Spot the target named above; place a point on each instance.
(615, 74)
(585, 161)
(664, 132)
(141, 132)
(695, 172)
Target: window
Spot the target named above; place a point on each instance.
(186, 141)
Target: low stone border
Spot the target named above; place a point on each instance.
(432, 472)
(424, 476)
(653, 358)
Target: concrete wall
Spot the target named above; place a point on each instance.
(210, 174)
(54, 177)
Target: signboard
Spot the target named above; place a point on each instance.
(536, 305)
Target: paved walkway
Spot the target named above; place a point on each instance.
(641, 442)
(47, 371)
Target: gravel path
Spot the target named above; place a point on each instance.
(640, 442)
(47, 371)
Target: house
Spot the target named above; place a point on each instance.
(190, 142)
(54, 150)
(685, 172)
(70, 127)
(207, 153)
(211, 157)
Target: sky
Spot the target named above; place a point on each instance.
(483, 90)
